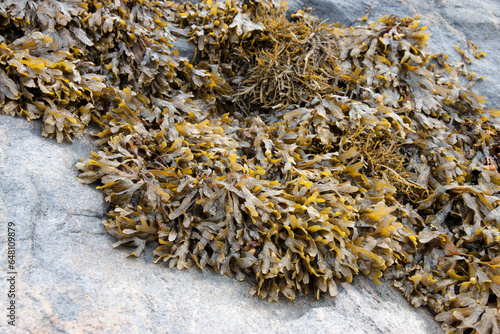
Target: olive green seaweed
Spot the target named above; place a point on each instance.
(289, 153)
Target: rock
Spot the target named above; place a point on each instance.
(185, 48)
(69, 279)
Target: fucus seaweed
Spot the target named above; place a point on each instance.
(288, 153)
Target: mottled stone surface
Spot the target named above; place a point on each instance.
(70, 280)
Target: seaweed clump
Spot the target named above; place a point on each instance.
(291, 154)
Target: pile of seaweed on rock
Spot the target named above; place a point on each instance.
(292, 153)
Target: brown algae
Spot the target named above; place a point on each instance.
(291, 153)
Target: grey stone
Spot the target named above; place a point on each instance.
(70, 280)
(185, 48)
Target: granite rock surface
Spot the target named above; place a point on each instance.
(70, 280)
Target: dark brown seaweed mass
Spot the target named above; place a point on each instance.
(293, 153)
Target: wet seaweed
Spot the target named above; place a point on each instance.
(292, 154)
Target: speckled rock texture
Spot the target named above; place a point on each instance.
(70, 280)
